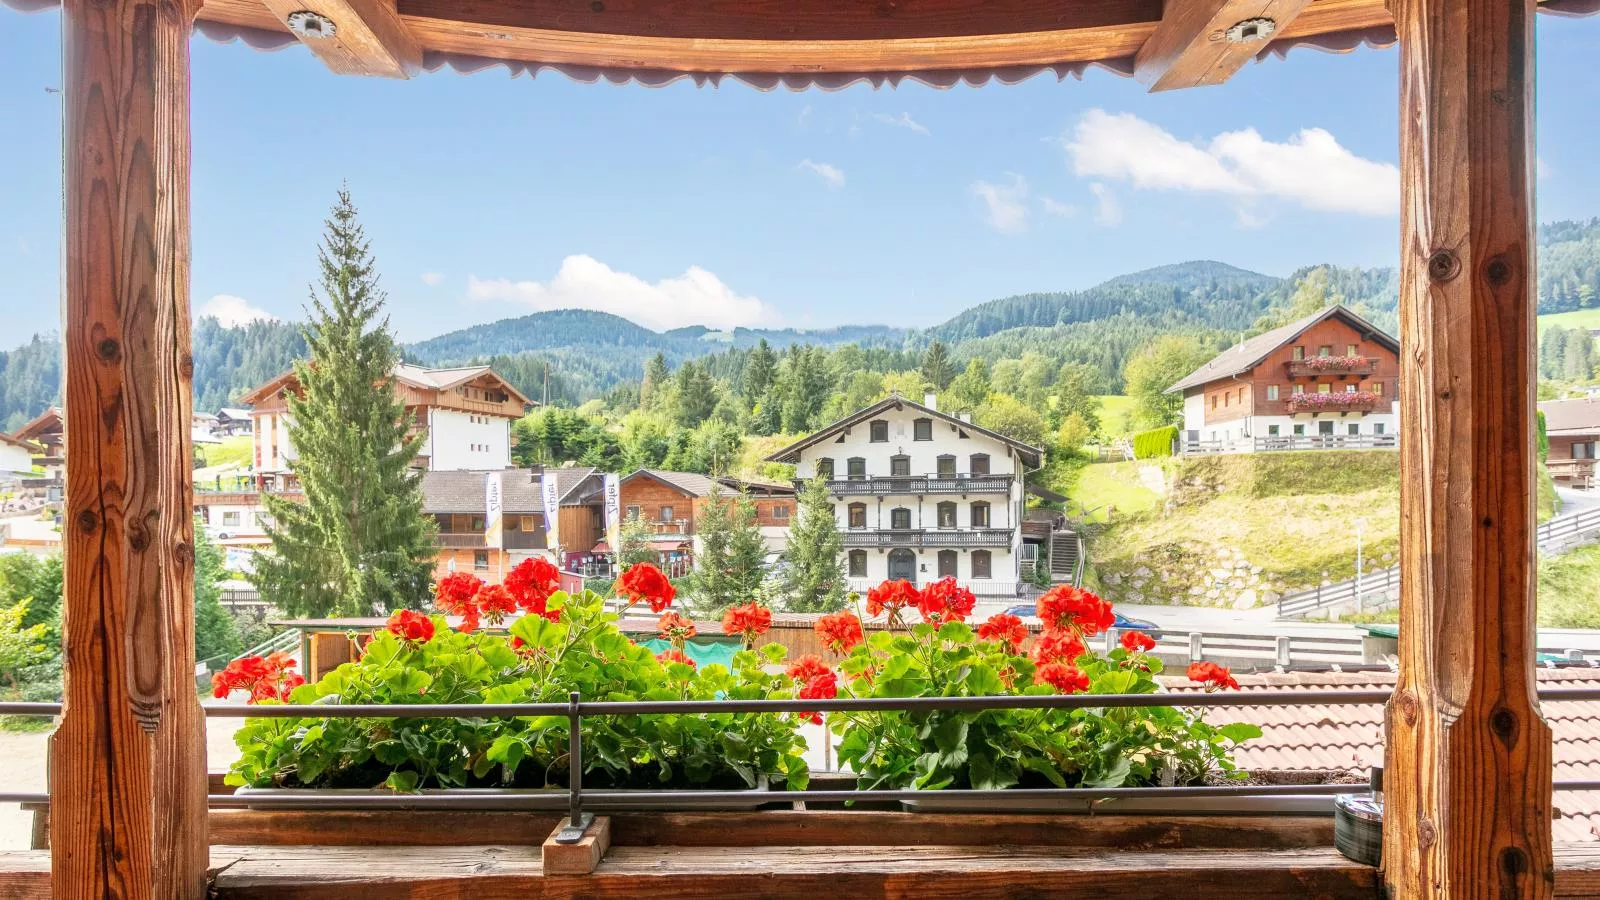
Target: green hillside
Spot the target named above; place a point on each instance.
(1577, 318)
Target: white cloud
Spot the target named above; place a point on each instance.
(1054, 207)
(829, 174)
(1108, 211)
(231, 311)
(1005, 205)
(1311, 168)
(903, 120)
(696, 297)
(432, 279)
(802, 121)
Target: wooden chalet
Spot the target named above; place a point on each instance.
(48, 432)
(1573, 428)
(1468, 753)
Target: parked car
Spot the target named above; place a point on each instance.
(1121, 622)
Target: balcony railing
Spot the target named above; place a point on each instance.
(458, 541)
(928, 537)
(1581, 470)
(920, 484)
(1333, 402)
(1331, 365)
(1291, 442)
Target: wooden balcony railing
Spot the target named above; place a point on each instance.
(460, 541)
(1331, 365)
(1571, 469)
(880, 485)
(929, 537)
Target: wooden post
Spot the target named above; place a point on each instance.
(1469, 757)
(127, 771)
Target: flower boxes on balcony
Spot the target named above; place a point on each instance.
(1334, 401)
(1332, 365)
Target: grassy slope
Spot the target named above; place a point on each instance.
(1578, 318)
(1115, 410)
(237, 450)
(1569, 589)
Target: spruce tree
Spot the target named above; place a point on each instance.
(759, 371)
(747, 551)
(816, 548)
(713, 575)
(936, 367)
(360, 543)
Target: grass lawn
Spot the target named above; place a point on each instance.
(1102, 485)
(1578, 318)
(1115, 412)
(236, 450)
(1569, 589)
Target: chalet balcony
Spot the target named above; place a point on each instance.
(928, 537)
(883, 485)
(1331, 365)
(1577, 471)
(461, 541)
(1334, 402)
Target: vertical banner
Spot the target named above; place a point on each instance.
(492, 509)
(613, 513)
(552, 514)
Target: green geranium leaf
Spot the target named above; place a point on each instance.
(1238, 732)
(402, 782)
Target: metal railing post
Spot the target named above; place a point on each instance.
(1283, 650)
(579, 820)
(1196, 646)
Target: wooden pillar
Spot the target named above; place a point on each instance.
(1469, 759)
(128, 762)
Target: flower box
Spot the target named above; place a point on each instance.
(503, 799)
(1332, 365)
(1335, 401)
(1159, 803)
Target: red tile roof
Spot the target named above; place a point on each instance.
(1351, 737)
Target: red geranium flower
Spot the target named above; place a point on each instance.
(494, 603)
(1212, 676)
(1064, 678)
(1005, 628)
(265, 679)
(531, 582)
(645, 582)
(675, 628)
(1057, 647)
(410, 625)
(891, 597)
(945, 601)
(1137, 642)
(454, 595)
(808, 667)
(674, 655)
(840, 631)
(1067, 607)
(750, 620)
(821, 686)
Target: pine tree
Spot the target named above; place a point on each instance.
(360, 543)
(936, 367)
(216, 635)
(633, 543)
(655, 375)
(759, 371)
(747, 551)
(816, 548)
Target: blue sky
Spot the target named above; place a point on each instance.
(487, 197)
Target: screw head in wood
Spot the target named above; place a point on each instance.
(308, 24)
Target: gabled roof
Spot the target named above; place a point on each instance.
(1243, 357)
(1580, 416)
(465, 492)
(15, 441)
(50, 420)
(405, 373)
(1030, 454)
(569, 480)
(694, 484)
(234, 413)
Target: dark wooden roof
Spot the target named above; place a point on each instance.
(1246, 355)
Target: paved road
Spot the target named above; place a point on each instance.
(1573, 500)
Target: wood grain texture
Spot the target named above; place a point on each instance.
(127, 771)
(1186, 49)
(1469, 755)
(580, 858)
(368, 39)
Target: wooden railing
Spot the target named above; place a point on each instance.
(1339, 366)
(1291, 442)
(928, 537)
(1581, 470)
(921, 484)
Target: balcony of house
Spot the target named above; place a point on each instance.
(1572, 471)
(1274, 443)
(461, 540)
(1331, 366)
(884, 485)
(665, 527)
(1334, 402)
(928, 537)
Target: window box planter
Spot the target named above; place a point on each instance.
(1159, 802)
(504, 799)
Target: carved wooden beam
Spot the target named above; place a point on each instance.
(353, 37)
(1469, 755)
(128, 768)
(1201, 42)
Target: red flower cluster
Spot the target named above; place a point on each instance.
(840, 631)
(1137, 642)
(750, 620)
(945, 601)
(1212, 676)
(1064, 678)
(494, 603)
(645, 582)
(808, 667)
(821, 686)
(891, 597)
(1057, 647)
(410, 625)
(531, 582)
(674, 655)
(1005, 628)
(265, 679)
(454, 595)
(675, 628)
(1065, 607)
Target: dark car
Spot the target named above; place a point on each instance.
(1120, 623)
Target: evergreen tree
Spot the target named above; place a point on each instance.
(815, 554)
(697, 395)
(747, 551)
(360, 543)
(655, 375)
(633, 543)
(216, 635)
(759, 371)
(731, 561)
(936, 367)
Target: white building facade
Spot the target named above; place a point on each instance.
(922, 495)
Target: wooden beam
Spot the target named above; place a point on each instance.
(366, 37)
(127, 768)
(1200, 42)
(1469, 755)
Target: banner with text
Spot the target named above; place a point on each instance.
(613, 512)
(552, 514)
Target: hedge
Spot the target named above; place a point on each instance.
(1155, 442)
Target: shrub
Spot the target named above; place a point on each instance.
(1154, 443)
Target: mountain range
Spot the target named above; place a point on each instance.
(574, 354)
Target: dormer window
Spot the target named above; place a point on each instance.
(878, 431)
(922, 430)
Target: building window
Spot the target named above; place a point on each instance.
(633, 512)
(946, 466)
(978, 464)
(947, 564)
(1378, 428)
(780, 511)
(666, 514)
(825, 468)
(980, 515)
(922, 430)
(1226, 399)
(1299, 353)
(1325, 350)
(878, 432)
(1298, 389)
(1377, 388)
(478, 524)
(1350, 389)
(858, 563)
(1272, 431)
(1213, 401)
(900, 465)
(1272, 392)
(263, 520)
(230, 519)
(947, 514)
(529, 525)
(858, 515)
(1583, 450)
(1350, 350)
(900, 518)
(857, 467)
(1241, 396)
(1354, 428)
(980, 564)
(1300, 429)
(1324, 388)
(480, 560)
